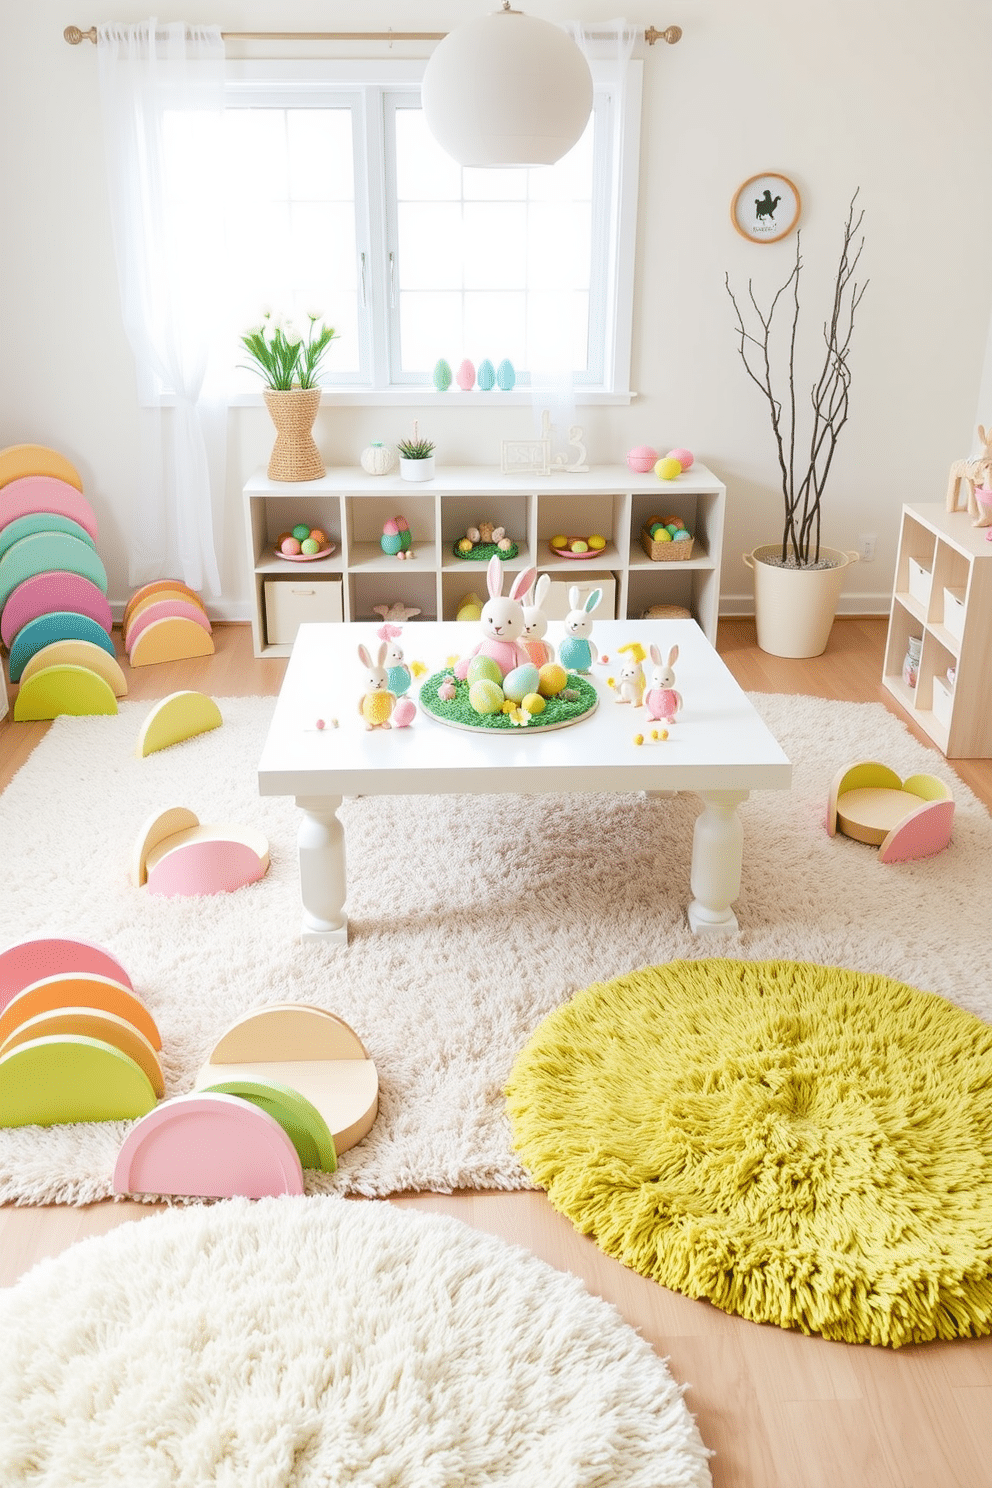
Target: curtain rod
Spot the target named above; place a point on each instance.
(73, 35)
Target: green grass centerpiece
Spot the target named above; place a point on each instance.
(452, 706)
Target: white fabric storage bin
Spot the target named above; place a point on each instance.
(556, 605)
(289, 603)
(954, 612)
(920, 580)
(943, 698)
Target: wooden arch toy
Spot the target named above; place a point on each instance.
(45, 552)
(41, 956)
(46, 493)
(172, 638)
(79, 989)
(174, 854)
(179, 716)
(147, 593)
(60, 625)
(904, 819)
(75, 653)
(34, 522)
(70, 1078)
(74, 690)
(19, 460)
(44, 593)
(163, 609)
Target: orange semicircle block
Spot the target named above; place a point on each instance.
(84, 989)
(171, 639)
(20, 460)
(92, 1023)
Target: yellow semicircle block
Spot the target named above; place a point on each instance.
(177, 717)
(71, 1078)
(172, 639)
(63, 689)
(94, 1023)
(18, 460)
(78, 653)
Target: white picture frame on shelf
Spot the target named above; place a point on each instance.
(525, 457)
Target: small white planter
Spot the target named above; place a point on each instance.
(417, 470)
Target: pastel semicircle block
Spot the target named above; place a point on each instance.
(299, 1119)
(208, 1146)
(212, 862)
(45, 493)
(41, 522)
(80, 989)
(45, 551)
(54, 590)
(78, 654)
(71, 1078)
(164, 609)
(180, 716)
(40, 956)
(20, 460)
(55, 690)
(60, 625)
(171, 639)
(93, 1023)
(146, 595)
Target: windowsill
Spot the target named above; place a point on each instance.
(422, 397)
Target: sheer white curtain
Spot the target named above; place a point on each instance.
(161, 87)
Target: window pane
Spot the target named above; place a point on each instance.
(423, 170)
(430, 244)
(495, 245)
(431, 327)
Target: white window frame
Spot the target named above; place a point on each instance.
(366, 86)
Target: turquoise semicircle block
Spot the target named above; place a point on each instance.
(60, 625)
(36, 522)
(45, 551)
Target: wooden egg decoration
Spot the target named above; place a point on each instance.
(486, 376)
(506, 377)
(465, 376)
(442, 378)
(378, 459)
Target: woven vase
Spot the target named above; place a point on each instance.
(294, 456)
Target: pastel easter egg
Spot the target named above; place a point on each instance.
(300, 531)
(404, 713)
(465, 545)
(685, 457)
(465, 376)
(486, 375)
(674, 521)
(642, 457)
(483, 669)
(662, 535)
(290, 545)
(597, 543)
(533, 703)
(681, 535)
(319, 536)
(402, 525)
(447, 691)
(309, 545)
(668, 469)
(522, 680)
(671, 529)
(486, 696)
(580, 545)
(391, 542)
(551, 679)
(505, 375)
(559, 542)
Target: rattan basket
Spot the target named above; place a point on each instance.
(666, 552)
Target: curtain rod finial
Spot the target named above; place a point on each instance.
(74, 36)
(671, 34)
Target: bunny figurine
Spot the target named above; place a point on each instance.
(502, 621)
(378, 702)
(538, 649)
(630, 688)
(661, 699)
(397, 671)
(577, 652)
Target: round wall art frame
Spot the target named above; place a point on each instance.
(766, 208)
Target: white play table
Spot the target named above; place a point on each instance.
(718, 748)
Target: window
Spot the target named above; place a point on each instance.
(337, 199)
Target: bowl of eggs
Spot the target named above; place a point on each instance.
(303, 544)
(577, 547)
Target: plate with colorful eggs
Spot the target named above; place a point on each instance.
(665, 539)
(302, 544)
(577, 547)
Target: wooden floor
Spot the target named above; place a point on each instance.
(778, 1410)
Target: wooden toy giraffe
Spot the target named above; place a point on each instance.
(972, 473)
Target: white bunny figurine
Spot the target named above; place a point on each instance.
(502, 621)
(538, 649)
(577, 652)
(631, 685)
(398, 673)
(661, 699)
(377, 702)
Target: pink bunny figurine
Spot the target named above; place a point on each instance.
(539, 651)
(661, 700)
(502, 621)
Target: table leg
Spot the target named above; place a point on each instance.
(322, 870)
(717, 851)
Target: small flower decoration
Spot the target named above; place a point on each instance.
(451, 661)
(417, 668)
(518, 715)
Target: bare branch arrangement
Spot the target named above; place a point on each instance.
(829, 395)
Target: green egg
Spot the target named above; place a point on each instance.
(485, 696)
(301, 531)
(483, 669)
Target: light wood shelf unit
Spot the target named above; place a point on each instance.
(609, 499)
(951, 611)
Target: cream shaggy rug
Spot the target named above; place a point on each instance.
(471, 920)
(312, 1341)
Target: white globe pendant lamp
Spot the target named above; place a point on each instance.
(507, 89)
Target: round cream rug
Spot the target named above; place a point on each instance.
(322, 1341)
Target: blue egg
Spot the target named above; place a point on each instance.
(681, 535)
(522, 680)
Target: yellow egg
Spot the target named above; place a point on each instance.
(486, 696)
(465, 546)
(533, 703)
(667, 469)
(552, 678)
(638, 738)
(559, 542)
(596, 542)
(662, 535)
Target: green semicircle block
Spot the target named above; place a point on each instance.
(46, 552)
(63, 689)
(64, 1078)
(28, 525)
(299, 1119)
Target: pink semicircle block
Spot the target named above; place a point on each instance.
(47, 592)
(206, 867)
(167, 609)
(42, 956)
(209, 1146)
(920, 835)
(44, 493)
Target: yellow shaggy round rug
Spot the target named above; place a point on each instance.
(800, 1145)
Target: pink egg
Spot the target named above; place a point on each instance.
(404, 713)
(642, 458)
(290, 545)
(390, 528)
(684, 457)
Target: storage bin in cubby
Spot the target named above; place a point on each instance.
(290, 603)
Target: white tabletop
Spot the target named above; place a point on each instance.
(718, 742)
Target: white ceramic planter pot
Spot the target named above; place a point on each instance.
(794, 608)
(417, 470)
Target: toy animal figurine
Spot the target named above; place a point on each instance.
(631, 685)
(538, 649)
(577, 652)
(502, 621)
(661, 699)
(395, 613)
(397, 672)
(973, 474)
(377, 701)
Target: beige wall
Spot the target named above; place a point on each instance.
(887, 95)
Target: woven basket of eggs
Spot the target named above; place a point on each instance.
(666, 541)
